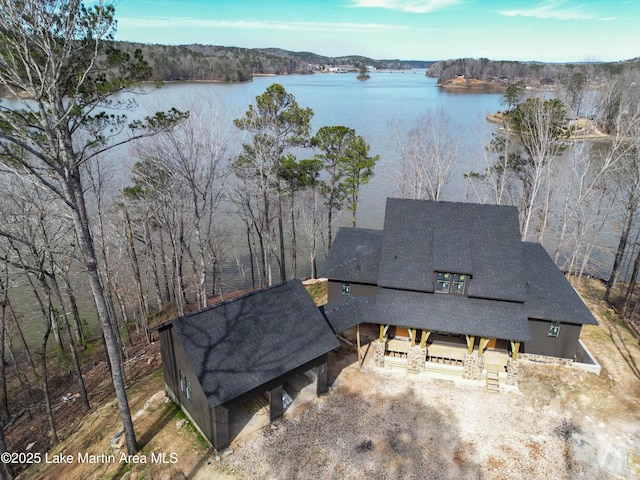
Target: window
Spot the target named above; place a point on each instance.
(346, 289)
(451, 282)
(554, 329)
(185, 385)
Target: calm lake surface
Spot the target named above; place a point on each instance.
(375, 108)
(379, 108)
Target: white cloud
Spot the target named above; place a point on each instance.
(188, 22)
(410, 6)
(554, 9)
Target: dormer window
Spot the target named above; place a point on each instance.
(451, 282)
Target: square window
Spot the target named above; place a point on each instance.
(451, 282)
(458, 283)
(554, 329)
(185, 385)
(346, 289)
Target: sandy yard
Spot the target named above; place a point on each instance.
(387, 424)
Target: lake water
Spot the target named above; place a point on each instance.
(374, 108)
(377, 109)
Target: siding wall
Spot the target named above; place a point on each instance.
(171, 377)
(197, 407)
(563, 346)
(355, 289)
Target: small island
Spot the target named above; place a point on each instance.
(362, 73)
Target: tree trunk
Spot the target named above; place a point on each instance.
(329, 226)
(75, 194)
(251, 246)
(283, 267)
(3, 376)
(142, 301)
(163, 265)
(154, 265)
(77, 321)
(294, 246)
(72, 348)
(45, 385)
(6, 471)
(632, 284)
(622, 245)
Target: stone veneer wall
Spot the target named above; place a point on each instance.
(416, 358)
(473, 366)
(567, 362)
(512, 372)
(379, 354)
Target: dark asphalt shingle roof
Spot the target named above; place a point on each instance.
(423, 237)
(549, 295)
(241, 344)
(355, 256)
(347, 311)
(453, 314)
(511, 280)
(432, 311)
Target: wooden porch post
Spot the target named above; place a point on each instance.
(515, 348)
(381, 333)
(425, 337)
(470, 341)
(358, 345)
(412, 334)
(483, 344)
(220, 422)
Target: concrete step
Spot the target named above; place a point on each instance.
(395, 362)
(443, 369)
(493, 382)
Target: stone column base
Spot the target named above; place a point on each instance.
(473, 366)
(416, 358)
(379, 353)
(512, 372)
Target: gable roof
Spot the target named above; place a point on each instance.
(549, 295)
(348, 311)
(356, 257)
(423, 237)
(241, 344)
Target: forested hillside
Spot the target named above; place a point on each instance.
(490, 70)
(233, 64)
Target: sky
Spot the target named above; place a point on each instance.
(541, 30)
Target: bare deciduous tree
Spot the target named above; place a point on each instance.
(59, 55)
(429, 157)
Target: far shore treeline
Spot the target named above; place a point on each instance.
(233, 64)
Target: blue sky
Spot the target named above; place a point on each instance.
(544, 30)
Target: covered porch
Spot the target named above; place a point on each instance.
(468, 356)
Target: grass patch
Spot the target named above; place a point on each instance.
(188, 425)
(318, 292)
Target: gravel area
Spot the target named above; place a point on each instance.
(383, 424)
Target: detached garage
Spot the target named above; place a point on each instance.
(221, 356)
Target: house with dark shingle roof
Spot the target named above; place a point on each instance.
(453, 283)
(220, 357)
